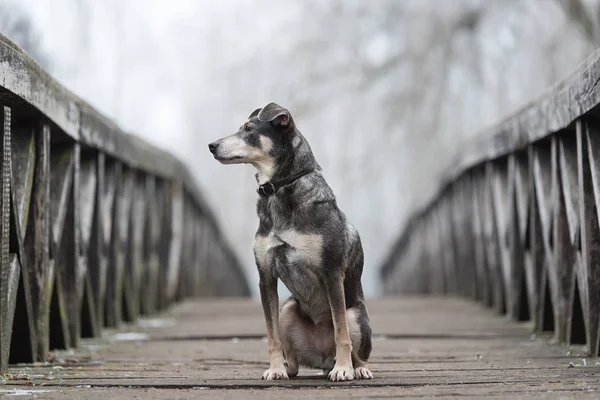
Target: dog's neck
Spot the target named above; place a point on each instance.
(299, 160)
(266, 170)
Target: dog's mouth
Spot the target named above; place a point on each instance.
(228, 160)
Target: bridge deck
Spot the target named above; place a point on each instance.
(215, 349)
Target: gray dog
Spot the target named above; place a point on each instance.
(305, 240)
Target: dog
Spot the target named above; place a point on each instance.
(306, 241)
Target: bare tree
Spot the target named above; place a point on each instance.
(17, 26)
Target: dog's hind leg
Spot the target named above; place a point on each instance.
(308, 344)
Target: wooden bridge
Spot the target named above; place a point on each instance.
(102, 234)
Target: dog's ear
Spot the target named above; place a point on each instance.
(255, 113)
(276, 115)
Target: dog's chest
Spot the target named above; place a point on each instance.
(296, 258)
(293, 246)
(297, 243)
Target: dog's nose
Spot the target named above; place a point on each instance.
(213, 146)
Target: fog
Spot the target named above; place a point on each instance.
(384, 91)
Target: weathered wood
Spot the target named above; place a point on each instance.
(152, 240)
(136, 262)
(24, 341)
(556, 109)
(174, 270)
(28, 86)
(535, 210)
(37, 276)
(493, 250)
(485, 292)
(68, 260)
(562, 267)
(187, 262)
(515, 253)
(589, 196)
(99, 247)
(163, 247)
(94, 222)
(117, 283)
(88, 196)
(7, 279)
(423, 348)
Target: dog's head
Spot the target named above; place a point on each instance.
(265, 136)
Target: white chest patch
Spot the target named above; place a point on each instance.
(305, 247)
(262, 247)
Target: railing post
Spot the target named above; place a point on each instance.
(9, 273)
(588, 149)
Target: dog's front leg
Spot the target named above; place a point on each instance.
(343, 369)
(270, 304)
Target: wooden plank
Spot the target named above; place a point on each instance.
(469, 272)
(438, 284)
(37, 244)
(69, 261)
(61, 188)
(164, 238)
(87, 194)
(515, 260)
(152, 244)
(448, 255)
(544, 186)
(589, 196)
(455, 237)
(562, 268)
(102, 234)
(139, 225)
(24, 341)
(119, 249)
(422, 348)
(493, 251)
(128, 295)
(176, 242)
(484, 284)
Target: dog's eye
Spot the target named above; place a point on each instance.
(247, 128)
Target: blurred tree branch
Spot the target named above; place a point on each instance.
(577, 11)
(16, 25)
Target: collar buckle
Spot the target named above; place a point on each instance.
(269, 188)
(266, 189)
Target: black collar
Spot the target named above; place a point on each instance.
(269, 188)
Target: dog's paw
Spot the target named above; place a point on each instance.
(275, 374)
(341, 373)
(363, 373)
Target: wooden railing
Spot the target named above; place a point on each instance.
(514, 223)
(97, 226)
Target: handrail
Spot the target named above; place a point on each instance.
(513, 221)
(98, 227)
